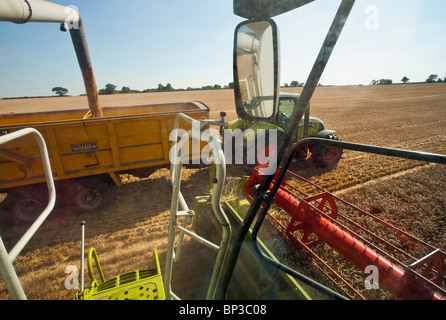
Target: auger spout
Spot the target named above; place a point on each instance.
(24, 11)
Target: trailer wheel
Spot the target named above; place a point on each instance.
(90, 194)
(88, 199)
(27, 210)
(26, 204)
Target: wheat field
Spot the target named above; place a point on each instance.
(409, 193)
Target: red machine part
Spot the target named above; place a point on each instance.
(403, 284)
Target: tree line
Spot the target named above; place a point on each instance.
(433, 78)
(112, 89)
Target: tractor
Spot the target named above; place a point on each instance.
(321, 156)
(265, 113)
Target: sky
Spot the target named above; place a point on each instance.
(189, 43)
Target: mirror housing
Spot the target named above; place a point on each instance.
(256, 70)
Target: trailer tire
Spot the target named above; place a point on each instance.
(90, 194)
(26, 204)
(27, 210)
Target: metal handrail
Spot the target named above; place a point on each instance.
(6, 259)
(178, 200)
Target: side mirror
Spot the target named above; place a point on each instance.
(256, 70)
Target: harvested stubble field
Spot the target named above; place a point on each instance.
(410, 194)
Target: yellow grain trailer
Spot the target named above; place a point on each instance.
(86, 153)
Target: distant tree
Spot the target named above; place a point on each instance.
(231, 85)
(109, 89)
(168, 87)
(125, 90)
(432, 78)
(381, 81)
(60, 91)
(385, 81)
(295, 83)
(405, 79)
